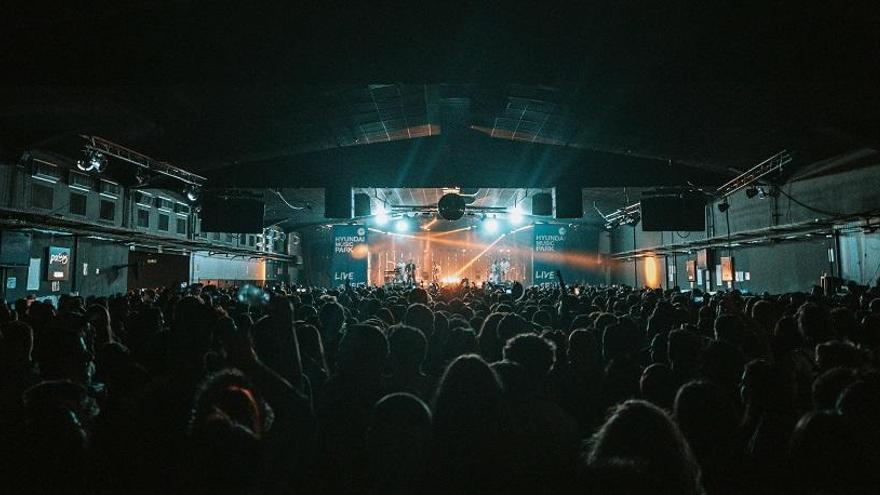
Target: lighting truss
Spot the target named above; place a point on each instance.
(754, 174)
(108, 148)
(433, 209)
(628, 215)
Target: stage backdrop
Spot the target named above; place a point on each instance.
(548, 247)
(571, 250)
(350, 255)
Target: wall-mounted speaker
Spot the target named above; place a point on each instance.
(338, 202)
(542, 204)
(232, 214)
(568, 201)
(362, 205)
(673, 210)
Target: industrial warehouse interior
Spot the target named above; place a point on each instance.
(624, 248)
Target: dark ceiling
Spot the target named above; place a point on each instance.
(714, 86)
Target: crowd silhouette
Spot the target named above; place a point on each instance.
(455, 389)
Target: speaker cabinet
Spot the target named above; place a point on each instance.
(673, 210)
(569, 201)
(362, 205)
(231, 214)
(338, 202)
(542, 204)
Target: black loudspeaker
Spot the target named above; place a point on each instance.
(338, 202)
(673, 210)
(362, 205)
(569, 202)
(542, 204)
(238, 215)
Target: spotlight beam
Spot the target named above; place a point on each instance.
(480, 255)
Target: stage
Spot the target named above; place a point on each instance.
(529, 254)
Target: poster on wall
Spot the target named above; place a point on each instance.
(727, 274)
(34, 268)
(58, 267)
(549, 244)
(691, 270)
(350, 255)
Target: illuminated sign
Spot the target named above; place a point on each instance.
(58, 267)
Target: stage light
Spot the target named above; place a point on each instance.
(401, 225)
(490, 225)
(95, 161)
(381, 217)
(191, 193)
(515, 216)
(722, 207)
(751, 192)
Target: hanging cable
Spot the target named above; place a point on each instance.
(824, 212)
(283, 200)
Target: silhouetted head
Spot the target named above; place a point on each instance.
(515, 382)
(708, 417)
(467, 406)
(764, 313)
(658, 385)
(542, 318)
(362, 351)
(420, 316)
(683, 348)
(722, 363)
(813, 324)
(55, 433)
(728, 328)
(397, 441)
(622, 338)
(766, 386)
(16, 343)
(534, 353)
(417, 296)
(490, 344)
(582, 349)
(836, 353)
(639, 431)
(822, 453)
(860, 403)
(408, 347)
(512, 325)
(828, 386)
(332, 317)
(228, 396)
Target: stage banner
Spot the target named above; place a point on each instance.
(350, 254)
(548, 252)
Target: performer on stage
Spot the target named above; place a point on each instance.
(494, 272)
(503, 268)
(410, 271)
(399, 270)
(435, 273)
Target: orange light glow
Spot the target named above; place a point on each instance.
(652, 272)
(360, 251)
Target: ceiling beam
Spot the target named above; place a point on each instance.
(471, 160)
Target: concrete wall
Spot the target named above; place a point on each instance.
(205, 267)
(795, 264)
(860, 256)
(97, 268)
